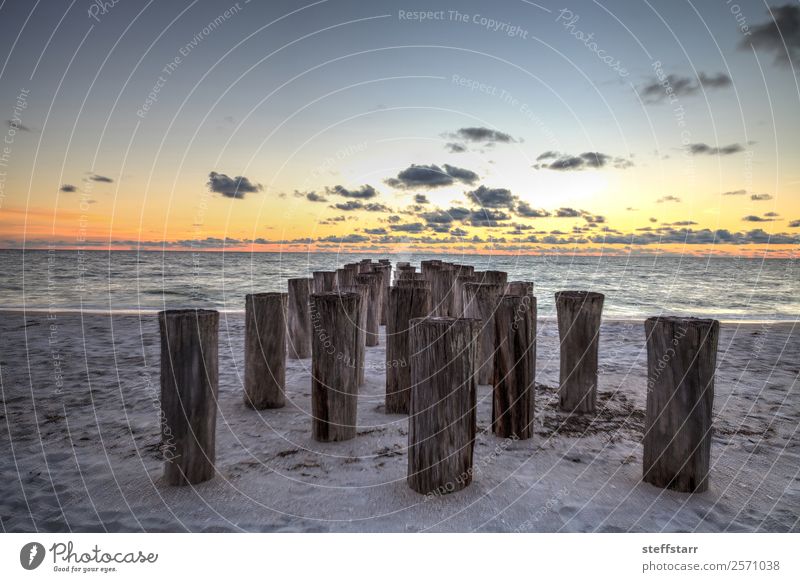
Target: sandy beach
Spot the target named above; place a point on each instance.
(80, 438)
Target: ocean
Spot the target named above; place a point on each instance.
(729, 289)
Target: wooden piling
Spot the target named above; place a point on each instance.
(405, 303)
(189, 389)
(299, 328)
(441, 422)
(374, 281)
(334, 375)
(519, 288)
(579, 314)
(514, 367)
(480, 302)
(442, 288)
(458, 293)
(324, 281)
(363, 292)
(681, 358)
(493, 277)
(265, 350)
(386, 273)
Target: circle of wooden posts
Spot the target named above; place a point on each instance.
(514, 367)
(265, 350)
(432, 366)
(334, 372)
(681, 358)
(189, 390)
(441, 416)
(579, 314)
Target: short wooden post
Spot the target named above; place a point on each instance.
(480, 302)
(441, 421)
(265, 350)
(189, 388)
(299, 319)
(334, 373)
(374, 281)
(514, 367)
(519, 288)
(404, 272)
(405, 303)
(458, 293)
(427, 267)
(493, 277)
(324, 281)
(579, 314)
(363, 293)
(365, 266)
(681, 358)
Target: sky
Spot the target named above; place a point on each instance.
(511, 126)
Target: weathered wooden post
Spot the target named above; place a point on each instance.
(334, 373)
(374, 281)
(494, 277)
(426, 267)
(519, 288)
(386, 273)
(442, 283)
(406, 302)
(265, 350)
(480, 302)
(681, 358)
(579, 314)
(344, 278)
(324, 281)
(365, 266)
(299, 318)
(458, 293)
(514, 367)
(189, 388)
(441, 421)
(405, 273)
(363, 292)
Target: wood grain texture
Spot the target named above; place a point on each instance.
(189, 391)
(441, 423)
(334, 372)
(443, 291)
(324, 281)
(385, 269)
(579, 314)
(514, 367)
(493, 277)
(519, 288)
(299, 328)
(681, 359)
(480, 302)
(405, 303)
(363, 293)
(265, 350)
(458, 293)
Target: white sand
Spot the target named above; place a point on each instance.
(85, 457)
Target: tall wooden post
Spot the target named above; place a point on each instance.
(324, 281)
(299, 319)
(344, 278)
(579, 314)
(334, 372)
(494, 277)
(519, 288)
(265, 350)
(514, 367)
(405, 303)
(441, 421)
(458, 293)
(443, 283)
(681, 358)
(189, 388)
(480, 302)
(364, 293)
(386, 273)
(374, 281)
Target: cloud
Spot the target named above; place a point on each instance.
(348, 238)
(455, 148)
(567, 212)
(99, 178)
(753, 218)
(483, 135)
(669, 198)
(421, 199)
(350, 205)
(375, 231)
(735, 193)
(411, 227)
(487, 217)
(364, 192)
(492, 197)
(794, 224)
(780, 35)
(235, 187)
(68, 188)
(656, 90)
(376, 207)
(702, 148)
(595, 160)
(760, 197)
(431, 176)
(524, 209)
(703, 236)
(314, 197)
